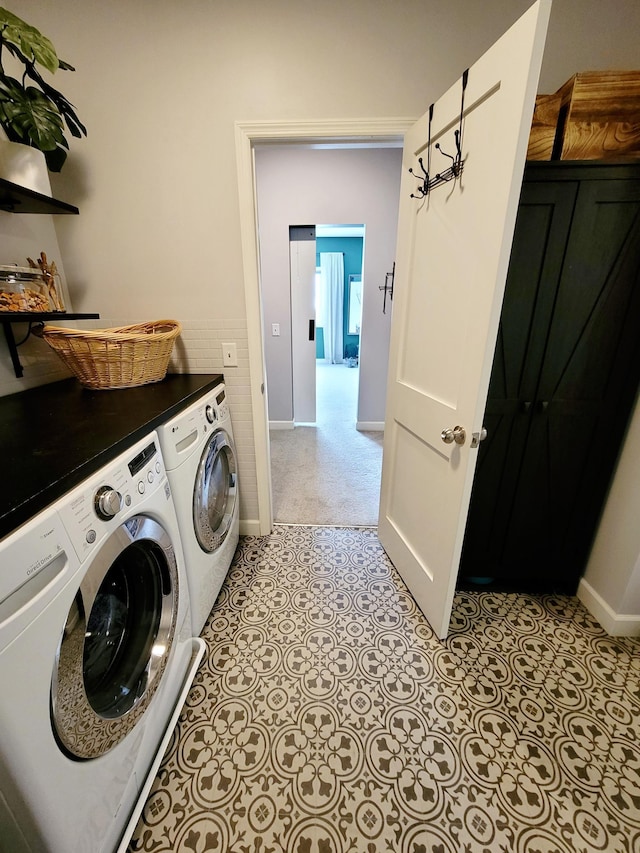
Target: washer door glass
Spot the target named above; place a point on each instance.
(215, 492)
(116, 640)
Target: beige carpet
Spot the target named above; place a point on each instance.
(328, 473)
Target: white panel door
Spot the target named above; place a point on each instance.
(303, 319)
(452, 258)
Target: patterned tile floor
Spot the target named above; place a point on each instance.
(327, 718)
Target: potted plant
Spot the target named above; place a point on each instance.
(31, 111)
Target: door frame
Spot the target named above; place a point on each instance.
(247, 135)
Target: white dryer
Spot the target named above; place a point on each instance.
(199, 452)
(96, 658)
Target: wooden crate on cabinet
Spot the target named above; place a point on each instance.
(599, 116)
(543, 127)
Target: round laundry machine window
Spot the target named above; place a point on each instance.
(116, 640)
(215, 492)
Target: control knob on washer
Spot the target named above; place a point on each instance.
(108, 502)
(210, 412)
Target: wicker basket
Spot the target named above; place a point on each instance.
(123, 357)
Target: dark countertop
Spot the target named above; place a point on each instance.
(55, 436)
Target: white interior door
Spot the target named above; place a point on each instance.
(452, 258)
(303, 338)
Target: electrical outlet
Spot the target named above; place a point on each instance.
(229, 355)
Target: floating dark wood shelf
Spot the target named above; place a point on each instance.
(17, 199)
(8, 318)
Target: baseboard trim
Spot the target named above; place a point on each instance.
(249, 527)
(280, 424)
(370, 426)
(615, 624)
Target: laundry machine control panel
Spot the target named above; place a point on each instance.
(108, 502)
(216, 408)
(183, 434)
(91, 511)
(221, 407)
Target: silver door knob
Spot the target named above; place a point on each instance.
(477, 437)
(456, 434)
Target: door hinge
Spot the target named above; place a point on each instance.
(388, 287)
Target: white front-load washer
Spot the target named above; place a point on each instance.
(96, 658)
(199, 452)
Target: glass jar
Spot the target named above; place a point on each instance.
(23, 289)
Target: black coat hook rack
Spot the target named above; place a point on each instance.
(457, 163)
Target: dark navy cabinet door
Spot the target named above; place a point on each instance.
(565, 376)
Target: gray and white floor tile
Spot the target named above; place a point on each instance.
(328, 718)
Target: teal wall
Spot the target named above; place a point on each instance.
(352, 248)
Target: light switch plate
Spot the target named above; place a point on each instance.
(229, 355)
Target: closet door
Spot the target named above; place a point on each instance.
(588, 382)
(564, 380)
(541, 234)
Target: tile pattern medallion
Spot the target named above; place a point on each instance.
(327, 718)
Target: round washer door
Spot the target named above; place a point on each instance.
(116, 640)
(215, 491)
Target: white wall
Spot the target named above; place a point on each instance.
(23, 237)
(611, 583)
(303, 186)
(160, 83)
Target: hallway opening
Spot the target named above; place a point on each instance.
(328, 473)
(298, 189)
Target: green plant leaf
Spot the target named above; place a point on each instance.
(34, 116)
(55, 159)
(30, 116)
(64, 107)
(28, 41)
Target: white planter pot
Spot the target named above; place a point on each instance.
(24, 166)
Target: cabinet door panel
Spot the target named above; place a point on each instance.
(541, 550)
(591, 369)
(540, 238)
(594, 298)
(541, 485)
